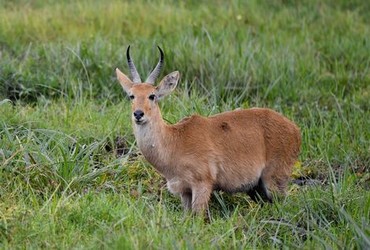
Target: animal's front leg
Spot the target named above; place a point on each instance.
(201, 195)
(186, 200)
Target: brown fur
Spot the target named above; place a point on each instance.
(243, 150)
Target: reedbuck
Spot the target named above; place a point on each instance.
(251, 150)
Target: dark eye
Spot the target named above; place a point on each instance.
(152, 97)
(132, 97)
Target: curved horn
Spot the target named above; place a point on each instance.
(131, 65)
(155, 72)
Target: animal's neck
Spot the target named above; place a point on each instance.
(153, 139)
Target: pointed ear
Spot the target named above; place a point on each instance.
(168, 84)
(125, 82)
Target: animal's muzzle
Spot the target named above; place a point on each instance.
(138, 114)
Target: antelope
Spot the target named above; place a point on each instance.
(246, 150)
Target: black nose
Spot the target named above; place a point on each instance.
(138, 114)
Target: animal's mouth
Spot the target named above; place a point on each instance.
(140, 121)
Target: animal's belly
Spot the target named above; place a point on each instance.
(238, 177)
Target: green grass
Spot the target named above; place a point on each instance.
(64, 118)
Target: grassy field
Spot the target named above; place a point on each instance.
(71, 175)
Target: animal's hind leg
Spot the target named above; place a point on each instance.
(276, 176)
(260, 192)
